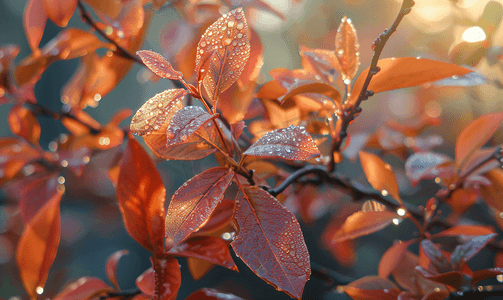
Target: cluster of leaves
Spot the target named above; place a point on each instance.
(233, 204)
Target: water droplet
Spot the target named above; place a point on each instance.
(240, 25)
(230, 24)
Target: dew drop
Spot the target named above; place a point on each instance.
(230, 24)
(183, 137)
(240, 25)
(203, 44)
(227, 42)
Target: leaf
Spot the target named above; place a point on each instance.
(434, 295)
(432, 256)
(111, 266)
(405, 273)
(485, 274)
(475, 135)
(291, 143)
(60, 12)
(83, 289)
(465, 230)
(452, 278)
(347, 49)
(159, 65)
(212, 294)
(492, 194)
(363, 223)
(317, 88)
(34, 20)
(380, 175)
(270, 241)
(198, 268)
(18, 152)
(38, 245)
(222, 53)
(221, 217)
(186, 122)
(22, 122)
(372, 288)
(193, 203)
(208, 248)
(476, 159)
(465, 252)
(425, 165)
(397, 73)
(391, 258)
(162, 281)
(141, 197)
(321, 62)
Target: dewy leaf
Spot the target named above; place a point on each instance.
(185, 123)
(60, 12)
(397, 73)
(391, 258)
(347, 49)
(84, 288)
(317, 88)
(34, 20)
(141, 197)
(363, 223)
(291, 143)
(111, 266)
(466, 251)
(372, 288)
(475, 136)
(380, 175)
(34, 191)
(434, 256)
(321, 62)
(270, 241)
(423, 165)
(159, 65)
(38, 246)
(222, 53)
(194, 202)
(23, 122)
(212, 294)
(208, 248)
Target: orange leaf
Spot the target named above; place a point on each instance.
(221, 217)
(475, 136)
(38, 246)
(363, 223)
(59, 11)
(34, 20)
(199, 267)
(405, 273)
(465, 230)
(426, 165)
(83, 289)
(372, 288)
(141, 197)
(212, 294)
(392, 258)
(283, 260)
(397, 73)
(222, 53)
(380, 175)
(193, 203)
(159, 65)
(23, 122)
(346, 49)
(111, 266)
(317, 88)
(492, 194)
(321, 62)
(164, 282)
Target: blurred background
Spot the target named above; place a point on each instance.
(466, 32)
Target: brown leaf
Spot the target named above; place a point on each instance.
(363, 223)
(291, 143)
(380, 175)
(159, 65)
(392, 258)
(38, 246)
(23, 123)
(222, 53)
(475, 135)
(193, 203)
(34, 20)
(372, 288)
(83, 289)
(141, 197)
(452, 278)
(397, 73)
(60, 12)
(347, 49)
(111, 266)
(265, 224)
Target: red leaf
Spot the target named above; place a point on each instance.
(465, 230)
(346, 49)
(453, 278)
(198, 268)
(476, 159)
(426, 165)
(34, 20)
(193, 203)
(372, 288)
(282, 259)
(146, 282)
(391, 258)
(485, 274)
(222, 53)
(162, 281)
(141, 197)
(380, 175)
(23, 123)
(475, 136)
(186, 122)
(405, 272)
(18, 152)
(432, 256)
(159, 65)
(111, 267)
(292, 143)
(397, 73)
(462, 199)
(83, 289)
(212, 294)
(363, 223)
(434, 295)
(208, 248)
(221, 216)
(38, 246)
(466, 251)
(315, 87)
(60, 12)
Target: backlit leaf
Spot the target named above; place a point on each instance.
(321, 62)
(220, 217)
(38, 246)
(270, 241)
(60, 12)
(198, 268)
(212, 294)
(452, 278)
(347, 49)
(18, 152)
(111, 266)
(391, 258)
(164, 282)
(425, 165)
(193, 203)
(159, 65)
(372, 288)
(209, 248)
(380, 175)
(397, 73)
(83, 289)
(466, 251)
(317, 88)
(23, 122)
(363, 223)
(492, 194)
(291, 143)
(141, 197)
(475, 135)
(222, 53)
(34, 20)
(465, 230)
(485, 274)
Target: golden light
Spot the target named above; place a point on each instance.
(474, 34)
(39, 290)
(401, 212)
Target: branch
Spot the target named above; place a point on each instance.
(329, 277)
